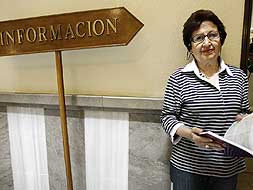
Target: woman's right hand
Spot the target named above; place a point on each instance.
(194, 135)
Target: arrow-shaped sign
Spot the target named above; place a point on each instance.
(88, 29)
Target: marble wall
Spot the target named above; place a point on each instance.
(56, 165)
(149, 147)
(148, 153)
(6, 182)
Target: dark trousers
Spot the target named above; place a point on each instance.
(187, 181)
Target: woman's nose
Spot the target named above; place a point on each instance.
(206, 41)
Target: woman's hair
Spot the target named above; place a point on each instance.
(194, 22)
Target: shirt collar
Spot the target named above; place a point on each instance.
(192, 66)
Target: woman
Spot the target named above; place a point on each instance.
(205, 95)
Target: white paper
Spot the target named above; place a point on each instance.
(242, 132)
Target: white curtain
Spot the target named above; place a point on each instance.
(28, 148)
(106, 150)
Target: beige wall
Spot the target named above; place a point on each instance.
(139, 69)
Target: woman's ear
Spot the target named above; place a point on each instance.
(189, 55)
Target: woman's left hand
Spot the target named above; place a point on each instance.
(239, 117)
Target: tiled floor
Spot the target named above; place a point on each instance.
(245, 180)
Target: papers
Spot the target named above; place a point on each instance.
(238, 140)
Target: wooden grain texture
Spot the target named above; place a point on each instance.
(87, 29)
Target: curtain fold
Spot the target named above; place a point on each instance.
(106, 150)
(28, 148)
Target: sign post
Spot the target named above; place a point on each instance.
(60, 82)
(69, 31)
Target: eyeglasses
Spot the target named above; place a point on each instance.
(199, 38)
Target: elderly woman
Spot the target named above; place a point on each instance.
(207, 94)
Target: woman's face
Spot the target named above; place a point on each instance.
(206, 45)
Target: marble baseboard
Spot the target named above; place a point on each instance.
(102, 102)
(145, 117)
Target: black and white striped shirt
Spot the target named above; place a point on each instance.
(195, 102)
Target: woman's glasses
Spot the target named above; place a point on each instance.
(199, 38)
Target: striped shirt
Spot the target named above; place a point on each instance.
(192, 101)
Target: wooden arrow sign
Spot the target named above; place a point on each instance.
(88, 29)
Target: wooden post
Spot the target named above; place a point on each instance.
(246, 35)
(64, 128)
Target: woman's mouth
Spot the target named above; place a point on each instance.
(208, 51)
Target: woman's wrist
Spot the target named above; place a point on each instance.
(185, 132)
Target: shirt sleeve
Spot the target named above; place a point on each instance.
(173, 136)
(245, 93)
(171, 109)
